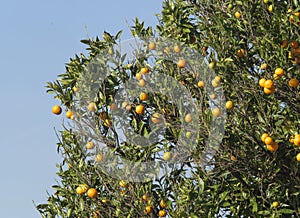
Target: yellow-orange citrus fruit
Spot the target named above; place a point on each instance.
(113, 107)
(69, 115)
(144, 70)
(167, 156)
(279, 71)
(146, 197)
(142, 82)
(268, 84)
(181, 63)
(263, 66)
(229, 105)
(269, 91)
(92, 106)
(79, 190)
(90, 145)
(264, 136)
(212, 65)
(148, 209)
(213, 96)
(284, 43)
(75, 89)
(298, 157)
(272, 147)
(162, 213)
(143, 96)
(293, 83)
(237, 15)
(294, 44)
(241, 53)
(177, 48)
(266, 1)
(56, 109)
(123, 184)
(162, 204)
(99, 158)
(217, 79)
(297, 141)
(139, 76)
(140, 109)
(275, 204)
(214, 83)
(152, 45)
(156, 118)
(262, 82)
(200, 84)
(268, 140)
(92, 193)
(188, 118)
(216, 112)
(270, 8)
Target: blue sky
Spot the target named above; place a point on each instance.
(37, 39)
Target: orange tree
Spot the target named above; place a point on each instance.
(229, 143)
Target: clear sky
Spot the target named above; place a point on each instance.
(37, 39)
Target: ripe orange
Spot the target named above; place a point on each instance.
(216, 112)
(284, 43)
(263, 66)
(264, 136)
(148, 209)
(123, 184)
(177, 48)
(200, 84)
(142, 82)
(268, 140)
(162, 213)
(162, 204)
(152, 45)
(297, 141)
(92, 193)
(293, 83)
(139, 76)
(214, 83)
(99, 158)
(167, 156)
(140, 109)
(217, 79)
(298, 157)
(145, 197)
(143, 96)
(144, 70)
(270, 8)
(237, 15)
(269, 91)
(188, 118)
(241, 53)
(75, 89)
(294, 44)
(92, 106)
(56, 109)
(269, 83)
(212, 65)
(69, 115)
(113, 107)
(156, 118)
(275, 204)
(79, 190)
(272, 147)
(229, 105)
(262, 82)
(90, 145)
(279, 71)
(181, 63)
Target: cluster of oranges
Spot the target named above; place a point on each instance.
(84, 188)
(296, 141)
(149, 209)
(271, 145)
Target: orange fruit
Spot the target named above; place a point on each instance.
(152, 45)
(214, 83)
(269, 91)
(272, 147)
(143, 96)
(293, 83)
(217, 79)
(264, 136)
(140, 109)
(241, 53)
(139, 76)
(167, 156)
(75, 89)
(229, 105)
(142, 82)
(188, 118)
(162, 213)
(294, 44)
(92, 193)
(123, 184)
(212, 65)
(181, 63)
(177, 48)
(297, 141)
(148, 209)
(90, 145)
(284, 43)
(69, 115)
(298, 157)
(145, 197)
(99, 158)
(79, 190)
(237, 15)
(270, 8)
(56, 109)
(262, 82)
(269, 83)
(213, 96)
(216, 112)
(268, 140)
(263, 66)
(156, 118)
(279, 71)
(200, 84)
(92, 106)
(144, 70)
(275, 204)
(162, 204)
